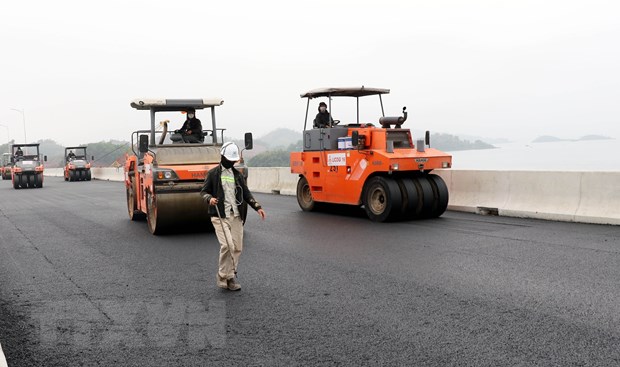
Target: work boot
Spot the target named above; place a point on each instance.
(221, 282)
(233, 285)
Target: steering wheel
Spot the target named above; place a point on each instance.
(335, 122)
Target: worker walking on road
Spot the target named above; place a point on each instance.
(225, 190)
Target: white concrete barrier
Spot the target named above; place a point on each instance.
(53, 172)
(272, 180)
(485, 189)
(600, 198)
(98, 173)
(264, 180)
(288, 182)
(108, 173)
(588, 197)
(554, 196)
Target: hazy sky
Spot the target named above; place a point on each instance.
(514, 69)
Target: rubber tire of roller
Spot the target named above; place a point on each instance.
(425, 196)
(382, 199)
(410, 198)
(23, 181)
(134, 214)
(151, 214)
(304, 195)
(440, 194)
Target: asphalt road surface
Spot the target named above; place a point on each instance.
(80, 284)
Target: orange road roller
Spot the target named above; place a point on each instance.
(376, 165)
(27, 170)
(166, 171)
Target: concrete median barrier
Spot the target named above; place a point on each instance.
(278, 180)
(53, 172)
(547, 195)
(474, 192)
(98, 173)
(600, 198)
(586, 197)
(265, 180)
(108, 173)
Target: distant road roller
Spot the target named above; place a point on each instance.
(166, 171)
(378, 167)
(77, 164)
(27, 170)
(5, 167)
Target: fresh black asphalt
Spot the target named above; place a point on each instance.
(80, 284)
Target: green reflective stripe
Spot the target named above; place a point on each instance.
(228, 179)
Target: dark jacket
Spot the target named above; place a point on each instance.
(322, 119)
(194, 125)
(213, 188)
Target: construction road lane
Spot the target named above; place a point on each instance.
(80, 284)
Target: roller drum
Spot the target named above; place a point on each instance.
(166, 211)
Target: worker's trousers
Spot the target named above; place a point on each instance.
(233, 231)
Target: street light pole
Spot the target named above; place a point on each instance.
(24, 121)
(8, 138)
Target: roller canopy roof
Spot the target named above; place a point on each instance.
(344, 92)
(26, 145)
(175, 104)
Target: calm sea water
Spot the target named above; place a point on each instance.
(595, 155)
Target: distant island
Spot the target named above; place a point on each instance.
(553, 139)
(595, 137)
(450, 143)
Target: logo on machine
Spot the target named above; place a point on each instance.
(421, 160)
(337, 159)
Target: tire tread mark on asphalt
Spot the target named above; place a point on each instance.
(82, 292)
(552, 244)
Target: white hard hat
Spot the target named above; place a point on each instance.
(230, 150)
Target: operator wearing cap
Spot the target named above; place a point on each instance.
(225, 190)
(191, 132)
